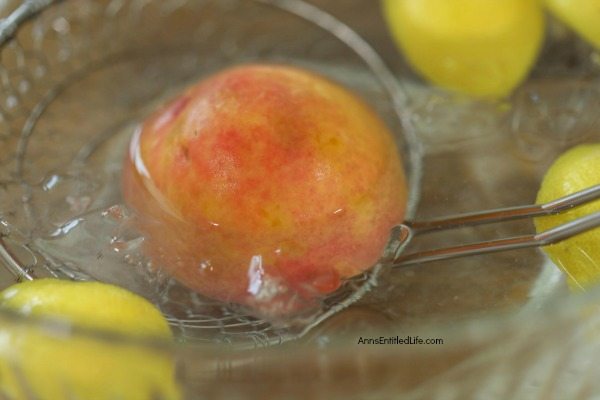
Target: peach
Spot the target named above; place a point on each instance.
(47, 361)
(265, 185)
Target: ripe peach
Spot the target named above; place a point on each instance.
(265, 185)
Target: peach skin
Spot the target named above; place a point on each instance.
(265, 185)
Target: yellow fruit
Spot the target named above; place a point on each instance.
(581, 15)
(483, 48)
(55, 364)
(575, 170)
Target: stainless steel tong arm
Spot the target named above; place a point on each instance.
(551, 236)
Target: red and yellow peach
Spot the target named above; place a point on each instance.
(263, 181)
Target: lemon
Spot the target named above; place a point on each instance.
(575, 170)
(57, 364)
(483, 48)
(583, 16)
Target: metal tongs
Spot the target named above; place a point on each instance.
(403, 233)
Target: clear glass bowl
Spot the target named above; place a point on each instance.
(79, 73)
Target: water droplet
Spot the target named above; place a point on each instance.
(11, 102)
(67, 227)
(116, 213)
(206, 265)
(61, 25)
(50, 182)
(255, 275)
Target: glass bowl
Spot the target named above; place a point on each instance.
(77, 74)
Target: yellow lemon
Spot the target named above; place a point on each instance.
(57, 364)
(583, 16)
(483, 48)
(575, 170)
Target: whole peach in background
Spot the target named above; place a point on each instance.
(265, 185)
(579, 257)
(479, 48)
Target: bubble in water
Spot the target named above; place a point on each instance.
(62, 197)
(102, 247)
